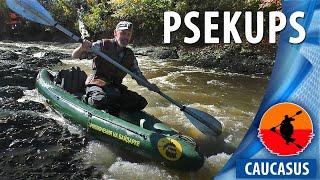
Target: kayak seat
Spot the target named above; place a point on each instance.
(72, 80)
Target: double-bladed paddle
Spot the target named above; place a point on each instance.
(274, 128)
(34, 11)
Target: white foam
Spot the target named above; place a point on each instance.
(215, 162)
(39, 54)
(32, 95)
(217, 82)
(128, 170)
(98, 154)
(48, 46)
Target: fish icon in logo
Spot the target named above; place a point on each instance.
(286, 129)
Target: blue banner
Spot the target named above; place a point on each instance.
(276, 168)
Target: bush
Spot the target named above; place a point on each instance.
(146, 15)
(63, 11)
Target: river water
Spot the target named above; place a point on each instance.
(232, 98)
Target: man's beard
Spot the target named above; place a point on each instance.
(122, 43)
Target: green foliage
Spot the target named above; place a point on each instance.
(3, 6)
(63, 10)
(270, 5)
(185, 6)
(147, 15)
(101, 16)
(98, 18)
(4, 11)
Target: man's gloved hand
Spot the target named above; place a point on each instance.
(153, 87)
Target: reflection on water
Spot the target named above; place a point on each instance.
(232, 98)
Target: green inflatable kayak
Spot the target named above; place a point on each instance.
(136, 132)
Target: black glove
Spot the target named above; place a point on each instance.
(154, 88)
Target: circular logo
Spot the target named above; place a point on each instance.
(170, 148)
(286, 129)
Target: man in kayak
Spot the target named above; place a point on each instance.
(104, 86)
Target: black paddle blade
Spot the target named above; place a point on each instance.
(273, 129)
(299, 112)
(298, 146)
(206, 123)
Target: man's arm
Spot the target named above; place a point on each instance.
(77, 52)
(136, 70)
(84, 47)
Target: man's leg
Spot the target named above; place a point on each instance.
(113, 95)
(132, 101)
(96, 97)
(104, 99)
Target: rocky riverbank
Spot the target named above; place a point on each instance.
(33, 146)
(242, 58)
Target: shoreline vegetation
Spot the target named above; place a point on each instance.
(101, 16)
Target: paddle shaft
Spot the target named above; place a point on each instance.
(142, 81)
(291, 117)
(106, 57)
(298, 145)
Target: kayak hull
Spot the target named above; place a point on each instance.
(136, 132)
